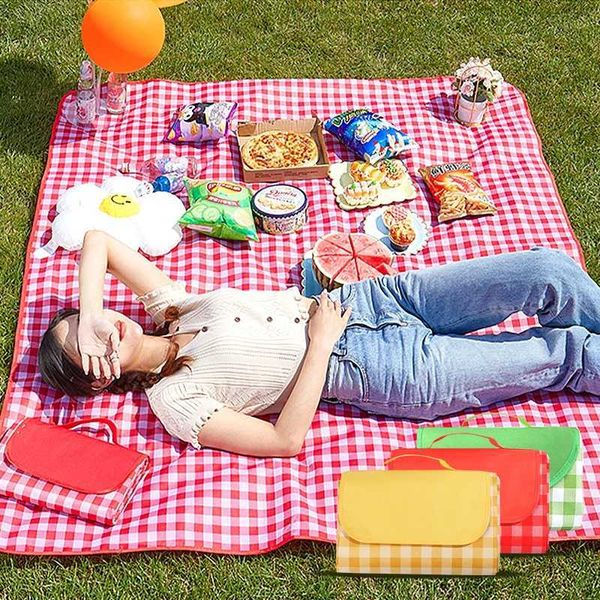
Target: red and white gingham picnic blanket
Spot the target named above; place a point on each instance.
(213, 501)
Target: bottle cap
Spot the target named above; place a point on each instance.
(168, 182)
(162, 184)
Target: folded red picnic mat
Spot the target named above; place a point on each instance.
(214, 501)
(523, 474)
(58, 468)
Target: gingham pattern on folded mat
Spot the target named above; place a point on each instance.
(480, 557)
(98, 508)
(530, 536)
(567, 498)
(213, 501)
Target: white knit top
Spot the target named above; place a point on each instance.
(248, 348)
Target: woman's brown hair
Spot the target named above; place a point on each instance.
(59, 371)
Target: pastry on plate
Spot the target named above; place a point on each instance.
(360, 193)
(277, 149)
(402, 234)
(362, 171)
(393, 214)
(394, 172)
(400, 225)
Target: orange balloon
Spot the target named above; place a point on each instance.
(123, 36)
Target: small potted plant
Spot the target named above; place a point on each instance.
(477, 85)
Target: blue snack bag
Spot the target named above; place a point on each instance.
(369, 135)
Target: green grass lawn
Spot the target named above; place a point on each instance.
(548, 49)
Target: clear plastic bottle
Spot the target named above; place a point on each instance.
(163, 165)
(85, 102)
(116, 93)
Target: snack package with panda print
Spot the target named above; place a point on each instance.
(201, 122)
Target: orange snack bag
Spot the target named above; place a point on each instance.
(456, 190)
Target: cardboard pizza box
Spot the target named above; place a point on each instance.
(312, 126)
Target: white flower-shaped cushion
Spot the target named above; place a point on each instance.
(147, 222)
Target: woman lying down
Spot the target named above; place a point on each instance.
(394, 346)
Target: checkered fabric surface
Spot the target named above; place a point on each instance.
(482, 557)
(105, 509)
(567, 499)
(530, 536)
(213, 501)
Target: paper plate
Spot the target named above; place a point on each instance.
(340, 178)
(374, 225)
(310, 285)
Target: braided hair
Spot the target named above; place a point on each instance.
(59, 371)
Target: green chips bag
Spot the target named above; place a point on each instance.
(220, 209)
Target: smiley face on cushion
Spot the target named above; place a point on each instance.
(147, 222)
(120, 206)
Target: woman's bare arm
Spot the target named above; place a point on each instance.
(97, 337)
(101, 253)
(243, 434)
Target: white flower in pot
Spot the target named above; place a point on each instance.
(478, 84)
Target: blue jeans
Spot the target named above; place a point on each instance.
(406, 352)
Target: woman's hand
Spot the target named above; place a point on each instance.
(328, 322)
(98, 341)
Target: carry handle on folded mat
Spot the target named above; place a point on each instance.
(522, 420)
(439, 460)
(489, 438)
(112, 429)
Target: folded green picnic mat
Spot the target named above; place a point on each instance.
(561, 444)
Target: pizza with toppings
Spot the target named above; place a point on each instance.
(276, 149)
